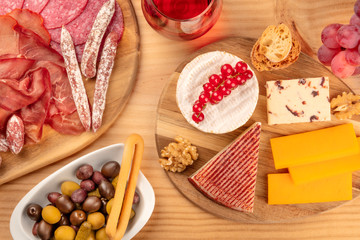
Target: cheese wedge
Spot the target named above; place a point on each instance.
(282, 190)
(310, 172)
(314, 146)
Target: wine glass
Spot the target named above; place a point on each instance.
(181, 19)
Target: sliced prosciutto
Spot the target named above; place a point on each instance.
(60, 12)
(9, 5)
(229, 178)
(9, 38)
(4, 117)
(35, 5)
(14, 68)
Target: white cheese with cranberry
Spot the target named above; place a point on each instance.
(232, 111)
(298, 100)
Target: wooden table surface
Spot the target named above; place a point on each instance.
(174, 217)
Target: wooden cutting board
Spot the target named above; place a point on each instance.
(55, 146)
(171, 123)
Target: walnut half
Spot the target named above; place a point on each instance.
(178, 155)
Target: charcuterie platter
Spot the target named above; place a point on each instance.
(171, 123)
(55, 146)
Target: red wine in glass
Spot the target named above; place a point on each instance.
(182, 19)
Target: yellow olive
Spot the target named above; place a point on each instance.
(68, 187)
(101, 234)
(115, 181)
(64, 233)
(96, 219)
(109, 205)
(91, 236)
(132, 214)
(51, 214)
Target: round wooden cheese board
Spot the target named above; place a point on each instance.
(54, 146)
(170, 123)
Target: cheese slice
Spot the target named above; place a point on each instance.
(315, 146)
(310, 172)
(232, 111)
(282, 190)
(298, 100)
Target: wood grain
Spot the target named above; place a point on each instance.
(171, 123)
(55, 146)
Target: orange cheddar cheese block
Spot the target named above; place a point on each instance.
(310, 172)
(282, 190)
(314, 146)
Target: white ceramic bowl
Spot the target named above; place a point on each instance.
(21, 225)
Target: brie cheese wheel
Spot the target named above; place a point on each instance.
(232, 111)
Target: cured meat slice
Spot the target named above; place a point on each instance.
(9, 5)
(66, 124)
(80, 27)
(117, 22)
(60, 12)
(4, 116)
(9, 38)
(79, 49)
(15, 94)
(31, 21)
(14, 68)
(35, 5)
(15, 134)
(3, 143)
(229, 178)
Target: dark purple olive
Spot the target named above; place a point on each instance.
(35, 229)
(53, 196)
(44, 230)
(88, 185)
(104, 201)
(79, 195)
(34, 211)
(91, 204)
(76, 228)
(136, 199)
(77, 217)
(106, 189)
(64, 204)
(97, 177)
(84, 172)
(110, 169)
(64, 221)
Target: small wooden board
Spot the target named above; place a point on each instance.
(171, 123)
(54, 146)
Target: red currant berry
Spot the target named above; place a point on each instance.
(197, 107)
(214, 80)
(225, 92)
(240, 79)
(208, 87)
(204, 97)
(221, 77)
(198, 117)
(230, 84)
(248, 74)
(241, 67)
(227, 70)
(216, 97)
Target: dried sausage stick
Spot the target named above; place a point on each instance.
(75, 79)
(15, 134)
(3, 143)
(102, 78)
(92, 45)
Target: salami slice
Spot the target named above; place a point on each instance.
(35, 5)
(9, 5)
(15, 134)
(60, 12)
(117, 22)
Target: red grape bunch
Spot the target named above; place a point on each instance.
(220, 86)
(341, 49)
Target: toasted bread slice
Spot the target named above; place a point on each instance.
(275, 42)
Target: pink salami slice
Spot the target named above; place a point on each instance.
(35, 5)
(9, 5)
(117, 22)
(79, 49)
(60, 12)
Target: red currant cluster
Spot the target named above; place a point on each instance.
(220, 86)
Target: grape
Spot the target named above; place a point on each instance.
(357, 8)
(352, 56)
(328, 35)
(348, 36)
(340, 67)
(325, 54)
(355, 20)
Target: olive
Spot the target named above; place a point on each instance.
(101, 234)
(84, 172)
(64, 221)
(53, 196)
(44, 230)
(77, 217)
(64, 204)
(88, 185)
(109, 205)
(35, 229)
(68, 187)
(136, 199)
(51, 214)
(76, 228)
(78, 196)
(97, 177)
(95, 193)
(110, 169)
(104, 201)
(106, 189)
(115, 181)
(96, 219)
(92, 236)
(64, 233)
(91, 204)
(132, 214)
(34, 211)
